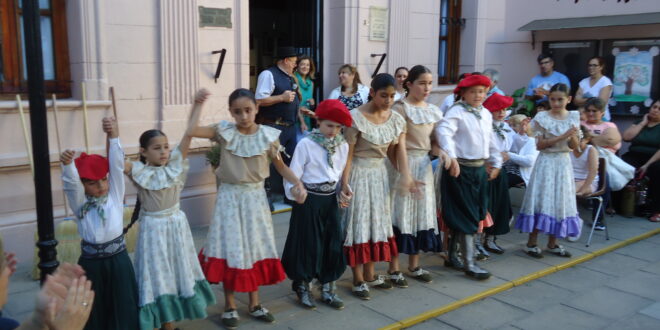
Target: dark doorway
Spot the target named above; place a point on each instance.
(276, 23)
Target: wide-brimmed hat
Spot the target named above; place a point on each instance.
(284, 52)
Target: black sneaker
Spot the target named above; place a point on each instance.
(230, 319)
(262, 314)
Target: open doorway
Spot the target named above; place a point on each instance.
(295, 23)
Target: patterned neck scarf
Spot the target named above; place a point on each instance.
(475, 111)
(499, 129)
(94, 203)
(330, 145)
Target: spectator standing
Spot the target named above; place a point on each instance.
(596, 85)
(351, 92)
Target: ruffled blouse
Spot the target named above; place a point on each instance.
(420, 122)
(546, 126)
(245, 158)
(372, 140)
(159, 187)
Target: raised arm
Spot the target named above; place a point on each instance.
(73, 188)
(193, 123)
(115, 159)
(634, 129)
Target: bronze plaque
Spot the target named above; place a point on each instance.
(216, 17)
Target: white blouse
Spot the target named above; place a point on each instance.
(463, 135)
(505, 141)
(92, 228)
(310, 164)
(523, 153)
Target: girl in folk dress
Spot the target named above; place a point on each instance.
(368, 219)
(171, 283)
(414, 219)
(240, 249)
(465, 134)
(499, 203)
(313, 246)
(549, 205)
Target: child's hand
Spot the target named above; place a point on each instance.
(201, 96)
(67, 156)
(494, 172)
(11, 262)
(505, 156)
(454, 168)
(572, 132)
(345, 196)
(299, 192)
(110, 127)
(585, 190)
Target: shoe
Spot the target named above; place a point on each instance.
(599, 226)
(230, 319)
(572, 238)
(262, 314)
(305, 296)
(655, 218)
(453, 255)
(421, 275)
(533, 251)
(471, 269)
(480, 252)
(380, 283)
(361, 291)
(398, 280)
(491, 245)
(329, 297)
(559, 250)
(610, 211)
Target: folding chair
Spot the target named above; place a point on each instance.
(598, 197)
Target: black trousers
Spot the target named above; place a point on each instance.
(288, 141)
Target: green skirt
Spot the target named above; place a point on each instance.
(464, 199)
(314, 245)
(499, 205)
(116, 293)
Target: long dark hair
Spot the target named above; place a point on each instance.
(559, 87)
(413, 74)
(145, 139)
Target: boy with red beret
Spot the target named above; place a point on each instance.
(465, 135)
(314, 245)
(499, 203)
(94, 187)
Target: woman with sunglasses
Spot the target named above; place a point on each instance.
(596, 85)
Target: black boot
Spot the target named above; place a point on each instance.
(471, 268)
(453, 259)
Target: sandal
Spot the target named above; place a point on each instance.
(533, 251)
(655, 218)
(559, 250)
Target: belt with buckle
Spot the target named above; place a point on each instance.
(278, 122)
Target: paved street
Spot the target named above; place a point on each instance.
(617, 289)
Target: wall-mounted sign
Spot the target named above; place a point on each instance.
(377, 23)
(215, 17)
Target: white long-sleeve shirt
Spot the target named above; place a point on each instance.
(92, 228)
(523, 153)
(463, 135)
(503, 144)
(310, 164)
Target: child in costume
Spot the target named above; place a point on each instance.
(499, 202)
(414, 219)
(172, 285)
(313, 246)
(549, 205)
(465, 134)
(94, 187)
(240, 249)
(376, 132)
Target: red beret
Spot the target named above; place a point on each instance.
(92, 167)
(497, 102)
(334, 110)
(472, 80)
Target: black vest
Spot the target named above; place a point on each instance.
(287, 112)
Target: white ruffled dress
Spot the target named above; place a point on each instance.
(171, 284)
(549, 204)
(414, 217)
(240, 250)
(368, 220)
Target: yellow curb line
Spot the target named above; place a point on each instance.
(288, 209)
(408, 322)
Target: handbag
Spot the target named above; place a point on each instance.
(619, 172)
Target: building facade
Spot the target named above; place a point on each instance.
(157, 53)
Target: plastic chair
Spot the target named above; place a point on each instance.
(598, 197)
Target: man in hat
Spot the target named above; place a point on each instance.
(278, 105)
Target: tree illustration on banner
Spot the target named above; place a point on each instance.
(632, 74)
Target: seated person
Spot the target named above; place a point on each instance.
(519, 161)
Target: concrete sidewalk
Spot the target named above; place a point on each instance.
(387, 307)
